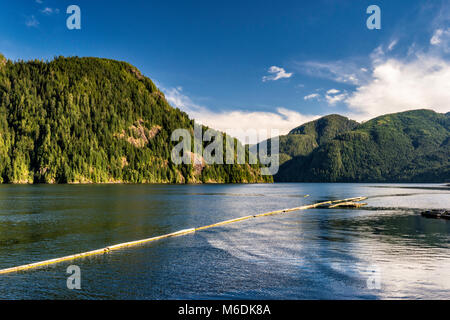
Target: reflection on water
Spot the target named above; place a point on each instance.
(313, 254)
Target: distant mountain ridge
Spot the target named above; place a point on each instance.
(411, 146)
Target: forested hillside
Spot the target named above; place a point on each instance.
(412, 146)
(302, 140)
(83, 120)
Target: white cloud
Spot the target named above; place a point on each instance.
(335, 98)
(338, 71)
(31, 21)
(441, 39)
(397, 85)
(420, 79)
(436, 38)
(377, 55)
(332, 96)
(49, 11)
(311, 96)
(177, 99)
(392, 45)
(282, 119)
(392, 85)
(333, 91)
(277, 73)
(383, 85)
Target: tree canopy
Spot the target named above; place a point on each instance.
(82, 120)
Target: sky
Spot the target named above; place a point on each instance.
(255, 64)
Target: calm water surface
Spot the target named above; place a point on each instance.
(313, 254)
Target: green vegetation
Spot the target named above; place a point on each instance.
(302, 140)
(91, 120)
(412, 146)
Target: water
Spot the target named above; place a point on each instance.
(313, 254)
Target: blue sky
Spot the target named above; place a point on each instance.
(213, 58)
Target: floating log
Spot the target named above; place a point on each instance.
(349, 204)
(436, 214)
(173, 234)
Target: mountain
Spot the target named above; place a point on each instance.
(92, 120)
(412, 146)
(302, 140)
